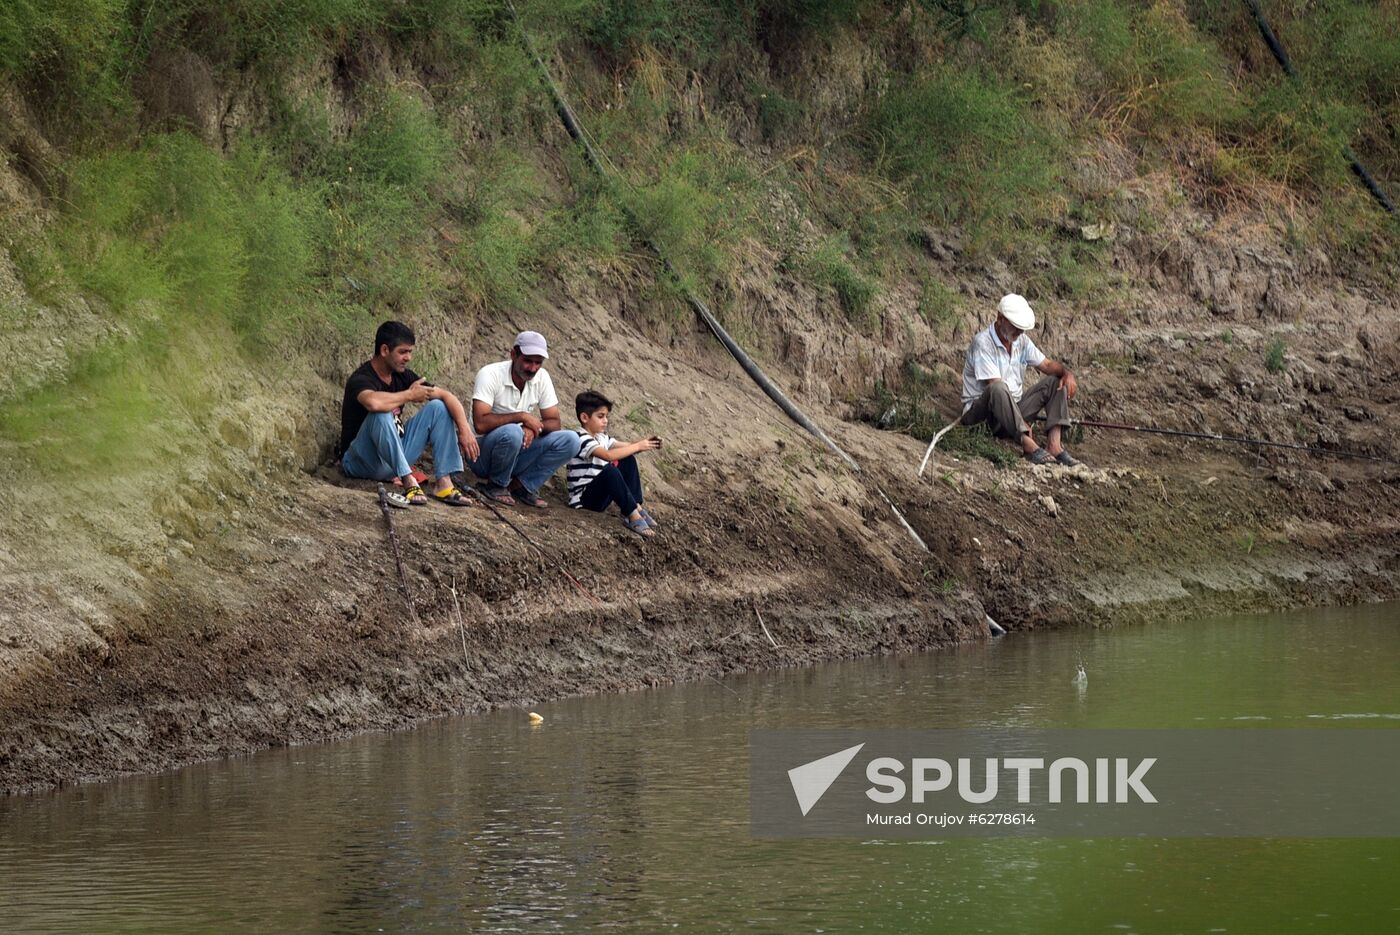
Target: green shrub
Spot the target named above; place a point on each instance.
(1348, 58)
(778, 114)
(591, 227)
(397, 143)
(71, 53)
(278, 224)
(699, 210)
(175, 226)
(697, 30)
(1273, 357)
(378, 188)
(938, 304)
(1165, 73)
(269, 34)
(924, 407)
(193, 255)
(1293, 137)
(46, 34)
(827, 265)
(700, 32)
(968, 148)
(674, 213)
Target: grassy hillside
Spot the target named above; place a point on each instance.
(201, 191)
(208, 207)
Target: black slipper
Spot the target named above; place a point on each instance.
(491, 492)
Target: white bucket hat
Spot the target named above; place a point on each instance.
(1017, 311)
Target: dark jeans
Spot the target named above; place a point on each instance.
(621, 485)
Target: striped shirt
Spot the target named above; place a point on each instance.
(584, 467)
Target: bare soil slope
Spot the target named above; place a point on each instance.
(275, 617)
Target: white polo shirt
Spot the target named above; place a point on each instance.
(988, 360)
(495, 388)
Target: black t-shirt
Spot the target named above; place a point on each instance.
(352, 414)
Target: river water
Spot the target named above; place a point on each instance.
(631, 812)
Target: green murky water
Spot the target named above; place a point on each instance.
(631, 812)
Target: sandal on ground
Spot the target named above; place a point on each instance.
(452, 497)
(499, 494)
(396, 500)
(1067, 459)
(524, 496)
(1039, 456)
(415, 495)
(639, 526)
(646, 515)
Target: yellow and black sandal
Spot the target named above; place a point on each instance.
(416, 496)
(452, 497)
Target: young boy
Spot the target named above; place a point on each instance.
(605, 471)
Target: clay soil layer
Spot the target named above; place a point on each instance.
(256, 603)
(291, 628)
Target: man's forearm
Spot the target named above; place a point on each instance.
(552, 424)
(383, 401)
(1053, 368)
(485, 422)
(458, 414)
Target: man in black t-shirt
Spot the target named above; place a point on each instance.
(375, 443)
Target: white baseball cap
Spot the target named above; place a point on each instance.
(1017, 311)
(531, 343)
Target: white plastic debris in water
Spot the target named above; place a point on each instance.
(1081, 677)
(535, 718)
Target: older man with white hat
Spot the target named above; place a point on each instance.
(993, 377)
(519, 450)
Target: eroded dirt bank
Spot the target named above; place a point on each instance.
(285, 625)
(255, 602)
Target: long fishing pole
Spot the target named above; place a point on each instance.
(1233, 439)
(486, 502)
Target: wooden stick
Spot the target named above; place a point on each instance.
(765, 627)
(461, 624)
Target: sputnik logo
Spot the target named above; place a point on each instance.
(811, 780)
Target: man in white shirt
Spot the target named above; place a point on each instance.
(993, 375)
(519, 450)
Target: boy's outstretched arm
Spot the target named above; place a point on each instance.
(618, 452)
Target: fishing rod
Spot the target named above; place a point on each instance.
(486, 502)
(1233, 439)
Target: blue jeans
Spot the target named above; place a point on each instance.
(377, 453)
(621, 485)
(503, 459)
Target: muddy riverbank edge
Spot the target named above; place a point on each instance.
(290, 629)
